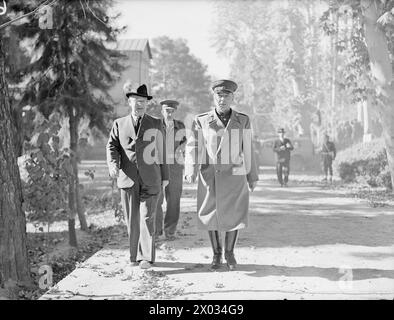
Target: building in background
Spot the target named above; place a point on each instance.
(137, 62)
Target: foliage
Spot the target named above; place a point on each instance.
(71, 67)
(364, 163)
(71, 70)
(293, 58)
(45, 170)
(354, 76)
(376, 17)
(179, 75)
(107, 200)
(274, 52)
(63, 262)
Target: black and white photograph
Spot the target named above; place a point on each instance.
(206, 151)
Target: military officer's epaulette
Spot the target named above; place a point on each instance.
(206, 117)
(242, 114)
(202, 114)
(154, 117)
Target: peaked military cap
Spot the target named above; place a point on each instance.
(224, 86)
(169, 104)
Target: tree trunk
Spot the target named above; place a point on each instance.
(334, 66)
(74, 201)
(367, 137)
(80, 207)
(297, 34)
(381, 68)
(72, 236)
(62, 48)
(72, 211)
(14, 263)
(71, 187)
(74, 161)
(360, 110)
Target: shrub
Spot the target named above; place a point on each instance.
(45, 171)
(364, 163)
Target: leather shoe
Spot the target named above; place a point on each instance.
(170, 237)
(145, 264)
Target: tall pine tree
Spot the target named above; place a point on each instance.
(71, 70)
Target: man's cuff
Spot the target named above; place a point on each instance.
(112, 165)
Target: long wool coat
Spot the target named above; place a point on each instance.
(223, 157)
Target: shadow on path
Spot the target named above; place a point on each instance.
(256, 270)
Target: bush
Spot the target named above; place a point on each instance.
(45, 171)
(364, 163)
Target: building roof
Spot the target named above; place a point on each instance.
(134, 45)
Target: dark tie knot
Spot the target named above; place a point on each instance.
(138, 122)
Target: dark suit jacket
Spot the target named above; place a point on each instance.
(282, 155)
(328, 151)
(135, 157)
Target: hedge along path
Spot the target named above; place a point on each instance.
(364, 163)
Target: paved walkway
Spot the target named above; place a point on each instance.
(303, 242)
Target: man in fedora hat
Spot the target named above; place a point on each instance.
(282, 147)
(220, 151)
(140, 174)
(175, 145)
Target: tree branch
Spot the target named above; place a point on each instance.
(25, 15)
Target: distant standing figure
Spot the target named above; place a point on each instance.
(328, 152)
(282, 148)
(175, 146)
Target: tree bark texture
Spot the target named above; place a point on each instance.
(74, 161)
(14, 263)
(381, 68)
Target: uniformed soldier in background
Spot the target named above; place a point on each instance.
(328, 152)
(175, 146)
(282, 147)
(220, 152)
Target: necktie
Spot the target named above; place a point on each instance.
(137, 126)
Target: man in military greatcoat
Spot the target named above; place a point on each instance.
(219, 151)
